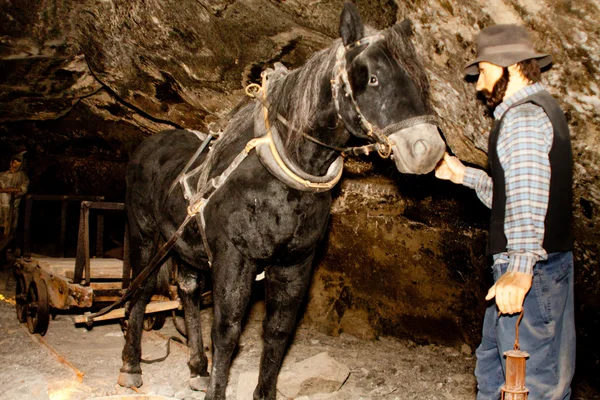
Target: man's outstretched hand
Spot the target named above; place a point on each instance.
(450, 168)
(510, 291)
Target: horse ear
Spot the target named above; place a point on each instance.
(405, 28)
(351, 26)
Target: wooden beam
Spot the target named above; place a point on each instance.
(120, 312)
(108, 298)
(105, 285)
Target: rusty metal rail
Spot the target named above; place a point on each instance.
(59, 357)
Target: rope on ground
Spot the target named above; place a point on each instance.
(173, 338)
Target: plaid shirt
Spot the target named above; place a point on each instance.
(524, 144)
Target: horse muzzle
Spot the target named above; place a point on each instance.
(417, 149)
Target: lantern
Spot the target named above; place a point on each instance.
(514, 385)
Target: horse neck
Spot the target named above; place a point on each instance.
(324, 126)
(315, 158)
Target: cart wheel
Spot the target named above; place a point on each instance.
(154, 321)
(38, 315)
(21, 298)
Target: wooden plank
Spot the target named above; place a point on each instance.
(105, 285)
(101, 268)
(111, 299)
(120, 312)
(99, 274)
(94, 262)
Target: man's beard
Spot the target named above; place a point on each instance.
(495, 97)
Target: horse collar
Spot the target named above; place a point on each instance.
(271, 150)
(271, 153)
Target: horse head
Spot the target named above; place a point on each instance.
(382, 93)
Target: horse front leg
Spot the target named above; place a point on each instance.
(232, 283)
(190, 284)
(285, 288)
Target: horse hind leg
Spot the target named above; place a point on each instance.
(285, 288)
(141, 250)
(190, 284)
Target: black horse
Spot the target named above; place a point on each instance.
(270, 212)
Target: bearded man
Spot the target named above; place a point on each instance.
(529, 193)
(14, 178)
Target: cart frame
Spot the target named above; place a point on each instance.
(57, 283)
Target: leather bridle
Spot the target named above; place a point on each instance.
(340, 81)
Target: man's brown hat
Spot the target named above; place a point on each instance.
(505, 45)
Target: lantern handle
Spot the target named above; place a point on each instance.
(517, 347)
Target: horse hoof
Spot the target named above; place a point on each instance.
(130, 380)
(199, 382)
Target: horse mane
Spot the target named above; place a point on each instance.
(403, 51)
(239, 125)
(297, 95)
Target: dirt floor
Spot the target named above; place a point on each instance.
(385, 368)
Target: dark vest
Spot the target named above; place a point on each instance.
(558, 232)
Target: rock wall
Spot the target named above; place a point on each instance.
(404, 257)
(83, 82)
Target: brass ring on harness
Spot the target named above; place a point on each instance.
(252, 89)
(385, 149)
(194, 208)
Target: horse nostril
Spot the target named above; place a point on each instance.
(420, 147)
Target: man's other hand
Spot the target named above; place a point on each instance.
(450, 168)
(510, 291)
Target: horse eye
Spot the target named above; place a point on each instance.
(373, 81)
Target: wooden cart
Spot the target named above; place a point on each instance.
(58, 283)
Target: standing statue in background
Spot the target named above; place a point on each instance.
(14, 178)
(530, 195)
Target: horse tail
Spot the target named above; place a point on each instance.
(163, 279)
(165, 271)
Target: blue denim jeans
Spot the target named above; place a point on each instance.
(547, 333)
